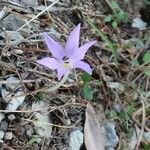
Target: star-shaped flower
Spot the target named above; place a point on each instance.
(64, 60)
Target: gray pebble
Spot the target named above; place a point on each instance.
(1, 135)
(11, 117)
(29, 130)
(4, 125)
(117, 107)
(110, 134)
(8, 136)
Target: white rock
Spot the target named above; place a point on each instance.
(18, 51)
(76, 140)
(8, 136)
(116, 85)
(3, 12)
(26, 3)
(117, 107)
(40, 105)
(110, 134)
(15, 102)
(110, 148)
(12, 22)
(134, 139)
(4, 93)
(147, 136)
(12, 82)
(1, 135)
(43, 123)
(14, 38)
(11, 117)
(1, 141)
(29, 131)
(138, 23)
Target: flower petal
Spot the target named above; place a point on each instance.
(53, 47)
(60, 72)
(84, 66)
(73, 41)
(80, 52)
(51, 63)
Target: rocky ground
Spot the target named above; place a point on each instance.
(108, 110)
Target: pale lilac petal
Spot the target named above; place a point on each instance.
(80, 52)
(60, 72)
(73, 41)
(84, 66)
(51, 63)
(53, 47)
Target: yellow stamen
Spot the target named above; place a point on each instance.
(66, 65)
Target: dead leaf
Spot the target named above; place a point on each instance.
(93, 136)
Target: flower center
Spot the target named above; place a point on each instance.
(66, 63)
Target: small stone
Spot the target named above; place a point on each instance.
(148, 123)
(1, 141)
(11, 117)
(139, 23)
(42, 119)
(12, 22)
(1, 135)
(41, 126)
(118, 108)
(29, 130)
(4, 93)
(18, 51)
(110, 134)
(110, 148)
(11, 84)
(27, 3)
(16, 102)
(76, 140)
(4, 126)
(117, 86)
(147, 136)
(14, 39)
(8, 136)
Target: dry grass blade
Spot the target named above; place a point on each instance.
(39, 14)
(94, 139)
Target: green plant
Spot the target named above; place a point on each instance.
(146, 146)
(117, 16)
(87, 93)
(146, 59)
(147, 2)
(109, 44)
(124, 116)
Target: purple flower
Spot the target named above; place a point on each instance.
(68, 58)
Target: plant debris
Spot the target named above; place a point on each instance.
(114, 101)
